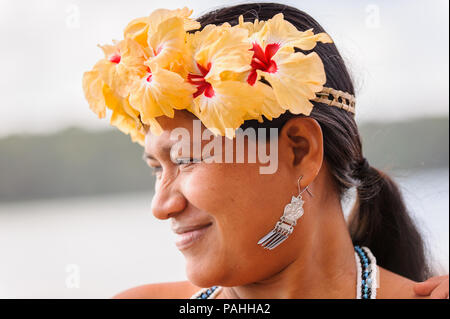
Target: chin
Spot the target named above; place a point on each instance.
(203, 275)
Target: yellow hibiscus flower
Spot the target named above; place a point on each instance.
(221, 100)
(167, 46)
(125, 73)
(294, 76)
(100, 97)
(158, 93)
(139, 29)
(123, 62)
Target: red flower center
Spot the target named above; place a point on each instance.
(157, 51)
(262, 60)
(199, 81)
(115, 58)
(149, 75)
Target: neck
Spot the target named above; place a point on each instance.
(324, 267)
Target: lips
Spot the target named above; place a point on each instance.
(189, 235)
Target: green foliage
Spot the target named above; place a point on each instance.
(73, 162)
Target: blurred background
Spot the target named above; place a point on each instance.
(75, 195)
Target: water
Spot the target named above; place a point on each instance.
(97, 247)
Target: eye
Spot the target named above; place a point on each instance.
(186, 160)
(156, 170)
(190, 160)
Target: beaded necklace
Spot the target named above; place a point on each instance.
(207, 293)
(367, 277)
(367, 282)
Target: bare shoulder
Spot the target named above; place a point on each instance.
(394, 286)
(165, 290)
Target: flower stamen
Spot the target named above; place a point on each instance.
(115, 58)
(203, 87)
(262, 60)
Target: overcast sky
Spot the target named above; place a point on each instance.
(397, 51)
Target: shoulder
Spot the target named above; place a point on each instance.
(166, 290)
(394, 286)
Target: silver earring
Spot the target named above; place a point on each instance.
(285, 226)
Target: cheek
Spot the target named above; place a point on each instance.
(242, 202)
(212, 188)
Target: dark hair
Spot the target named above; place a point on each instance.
(380, 221)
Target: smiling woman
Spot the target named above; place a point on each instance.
(245, 71)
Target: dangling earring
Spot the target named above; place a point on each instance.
(285, 226)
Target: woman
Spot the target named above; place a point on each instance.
(227, 213)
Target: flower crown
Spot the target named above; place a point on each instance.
(219, 74)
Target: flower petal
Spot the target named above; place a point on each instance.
(224, 47)
(123, 116)
(269, 107)
(252, 27)
(168, 43)
(93, 91)
(120, 75)
(278, 30)
(161, 15)
(137, 30)
(120, 105)
(155, 127)
(165, 92)
(297, 80)
(141, 28)
(126, 125)
(225, 112)
(308, 40)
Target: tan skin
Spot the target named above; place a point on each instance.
(242, 205)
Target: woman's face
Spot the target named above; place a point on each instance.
(235, 202)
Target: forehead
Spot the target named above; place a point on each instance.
(182, 119)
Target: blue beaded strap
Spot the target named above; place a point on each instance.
(366, 281)
(206, 293)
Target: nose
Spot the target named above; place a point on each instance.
(166, 203)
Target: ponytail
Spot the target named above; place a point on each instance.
(382, 223)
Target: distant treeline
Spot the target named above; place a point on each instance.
(75, 162)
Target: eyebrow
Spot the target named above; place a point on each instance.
(147, 156)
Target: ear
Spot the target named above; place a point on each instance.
(302, 141)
